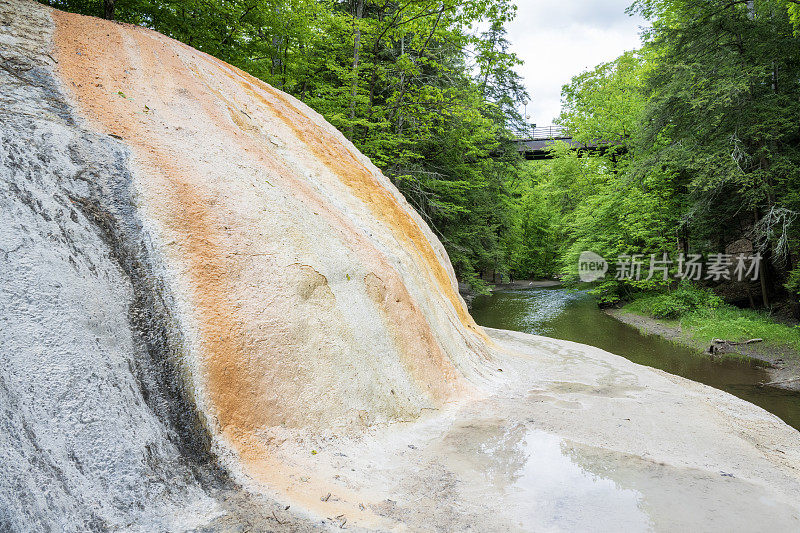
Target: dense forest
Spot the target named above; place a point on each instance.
(704, 126)
(700, 126)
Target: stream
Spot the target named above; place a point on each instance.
(574, 315)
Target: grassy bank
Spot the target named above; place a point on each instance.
(703, 316)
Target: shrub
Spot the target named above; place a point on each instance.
(606, 292)
(677, 303)
(793, 282)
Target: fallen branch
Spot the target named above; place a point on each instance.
(718, 345)
(734, 343)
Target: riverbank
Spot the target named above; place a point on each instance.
(783, 361)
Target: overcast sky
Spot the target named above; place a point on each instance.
(558, 39)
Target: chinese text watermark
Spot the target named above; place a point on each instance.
(636, 267)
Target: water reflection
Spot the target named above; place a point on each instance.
(574, 316)
(540, 484)
(565, 496)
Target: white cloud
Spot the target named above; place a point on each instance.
(558, 40)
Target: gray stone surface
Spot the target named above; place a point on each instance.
(96, 428)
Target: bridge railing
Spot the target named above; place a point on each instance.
(550, 132)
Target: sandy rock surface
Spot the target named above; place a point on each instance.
(217, 315)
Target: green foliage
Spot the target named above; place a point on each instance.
(607, 292)
(477, 285)
(602, 202)
(793, 281)
(724, 103)
(702, 145)
(675, 303)
(533, 250)
(606, 102)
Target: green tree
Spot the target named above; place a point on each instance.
(722, 111)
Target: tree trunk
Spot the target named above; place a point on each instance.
(108, 9)
(375, 50)
(277, 59)
(763, 277)
(285, 63)
(359, 12)
(683, 241)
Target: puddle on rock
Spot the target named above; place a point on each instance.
(509, 477)
(555, 493)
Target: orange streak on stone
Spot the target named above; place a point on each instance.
(364, 184)
(407, 324)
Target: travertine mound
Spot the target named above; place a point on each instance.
(213, 306)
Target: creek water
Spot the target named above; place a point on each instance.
(574, 315)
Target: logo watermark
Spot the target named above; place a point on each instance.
(591, 267)
(636, 267)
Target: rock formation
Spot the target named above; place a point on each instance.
(213, 306)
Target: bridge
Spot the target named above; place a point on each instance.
(538, 145)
